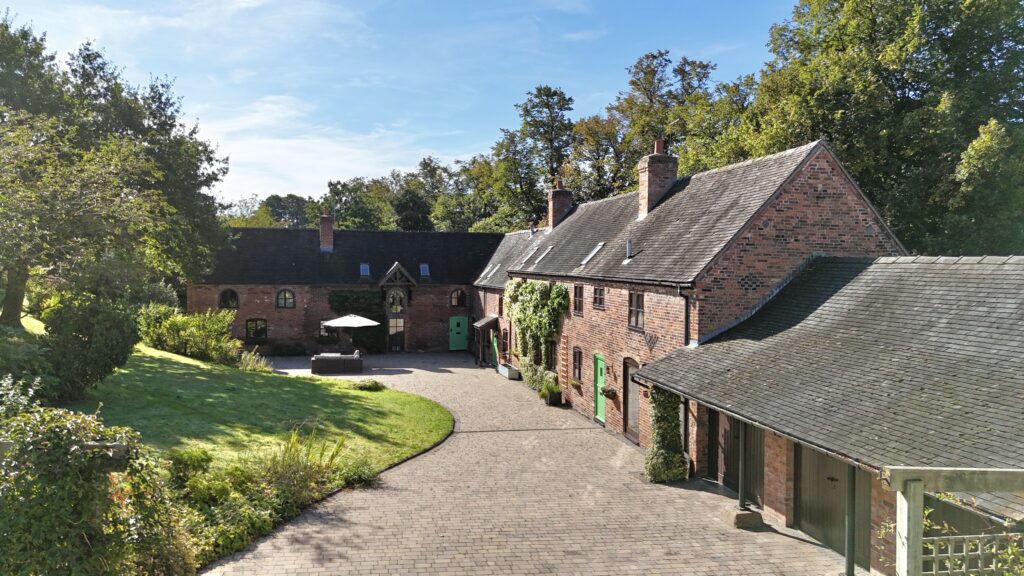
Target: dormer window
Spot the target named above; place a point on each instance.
(424, 270)
(364, 270)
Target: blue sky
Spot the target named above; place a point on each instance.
(299, 92)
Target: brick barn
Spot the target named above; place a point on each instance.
(660, 279)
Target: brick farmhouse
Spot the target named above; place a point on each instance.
(664, 281)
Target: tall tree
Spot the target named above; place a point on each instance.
(902, 89)
(546, 124)
(64, 208)
(597, 167)
(289, 210)
(360, 204)
(412, 209)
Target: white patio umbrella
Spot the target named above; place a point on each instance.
(351, 321)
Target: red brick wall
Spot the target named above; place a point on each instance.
(779, 471)
(426, 320)
(485, 302)
(883, 511)
(606, 332)
(818, 212)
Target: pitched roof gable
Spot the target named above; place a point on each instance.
(691, 224)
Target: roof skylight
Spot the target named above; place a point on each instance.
(541, 257)
(592, 253)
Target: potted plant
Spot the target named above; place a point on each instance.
(551, 393)
(609, 392)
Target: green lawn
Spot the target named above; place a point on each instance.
(175, 401)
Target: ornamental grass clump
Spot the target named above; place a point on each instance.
(666, 460)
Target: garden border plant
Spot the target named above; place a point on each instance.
(666, 460)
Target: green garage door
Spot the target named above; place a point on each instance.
(821, 502)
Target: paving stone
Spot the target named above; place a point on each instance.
(519, 488)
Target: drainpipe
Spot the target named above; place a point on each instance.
(742, 483)
(851, 500)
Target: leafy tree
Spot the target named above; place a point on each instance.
(290, 210)
(65, 208)
(467, 201)
(597, 164)
(546, 124)
(412, 209)
(515, 186)
(901, 90)
(360, 204)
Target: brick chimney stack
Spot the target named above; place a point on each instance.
(559, 203)
(657, 174)
(326, 233)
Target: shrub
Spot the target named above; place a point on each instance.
(16, 397)
(369, 385)
(151, 319)
(205, 336)
(188, 462)
(533, 374)
(24, 357)
(251, 361)
(87, 339)
(665, 460)
(233, 505)
(66, 511)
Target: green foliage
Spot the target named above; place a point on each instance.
(360, 204)
(546, 123)
(536, 310)
(412, 209)
(16, 397)
(368, 304)
(368, 385)
(87, 339)
(252, 361)
(233, 505)
(533, 374)
(65, 512)
(204, 336)
(550, 385)
(186, 463)
(665, 460)
(24, 357)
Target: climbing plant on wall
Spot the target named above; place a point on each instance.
(536, 310)
(665, 459)
(368, 304)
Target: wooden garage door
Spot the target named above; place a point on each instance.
(821, 502)
(754, 469)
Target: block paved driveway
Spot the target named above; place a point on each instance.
(519, 488)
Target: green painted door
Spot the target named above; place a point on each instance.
(458, 333)
(598, 384)
(494, 347)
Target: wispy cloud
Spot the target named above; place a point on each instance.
(582, 35)
(719, 48)
(276, 147)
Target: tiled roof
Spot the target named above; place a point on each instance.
(292, 256)
(513, 248)
(691, 224)
(898, 361)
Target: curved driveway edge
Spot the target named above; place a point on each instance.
(517, 488)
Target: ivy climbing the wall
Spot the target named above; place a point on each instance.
(536, 310)
(666, 461)
(368, 304)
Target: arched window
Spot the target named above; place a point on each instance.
(285, 299)
(228, 299)
(396, 301)
(458, 298)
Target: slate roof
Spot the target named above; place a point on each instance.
(691, 224)
(292, 256)
(896, 361)
(513, 248)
